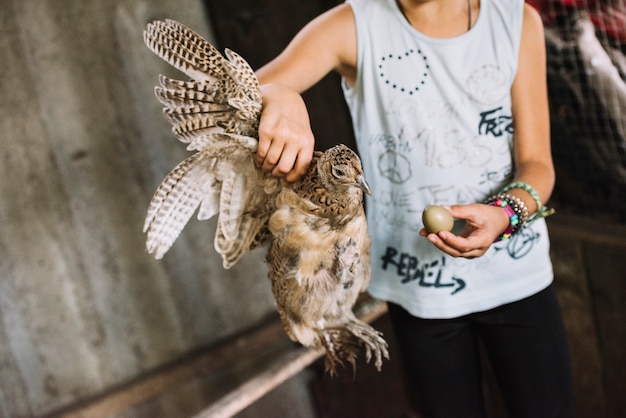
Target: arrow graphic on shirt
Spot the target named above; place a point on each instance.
(460, 285)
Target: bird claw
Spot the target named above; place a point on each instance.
(343, 344)
(375, 345)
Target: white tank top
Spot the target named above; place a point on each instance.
(433, 124)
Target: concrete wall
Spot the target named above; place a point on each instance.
(83, 307)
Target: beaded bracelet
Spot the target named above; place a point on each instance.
(514, 222)
(515, 209)
(542, 211)
(515, 202)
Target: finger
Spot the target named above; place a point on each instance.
(286, 163)
(442, 245)
(265, 143)
(457, 246)
(303, 160)
(272, 157)
(466, 212)
(261, 152)
(461, 243)
(474, 253)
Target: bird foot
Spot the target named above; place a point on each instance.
(344, 343)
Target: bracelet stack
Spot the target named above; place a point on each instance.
(516, 209)
(542, 211)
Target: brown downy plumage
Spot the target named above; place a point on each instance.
(316, 229)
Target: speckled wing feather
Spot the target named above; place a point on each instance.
(175, 201)
(216, 113)
(223, 95)
(185, 50)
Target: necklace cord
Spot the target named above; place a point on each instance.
(469, 13)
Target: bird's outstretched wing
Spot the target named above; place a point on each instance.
(216, 113)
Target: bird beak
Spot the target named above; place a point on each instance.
(362, 184)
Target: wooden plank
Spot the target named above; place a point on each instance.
(590, 269)
(217, 361)
(233, 375)
(606, 268)
(572, 285)
(250, 391)
(279, 371)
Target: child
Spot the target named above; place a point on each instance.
(449, 104)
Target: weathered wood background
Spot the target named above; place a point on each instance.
(89, 318)
(83, 307)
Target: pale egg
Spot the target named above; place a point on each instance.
(436, 219)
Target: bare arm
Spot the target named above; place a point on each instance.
(533, 157)
(285, 139)
(532, 154)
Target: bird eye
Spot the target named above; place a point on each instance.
(338, 172)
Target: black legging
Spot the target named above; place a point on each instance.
(526, 345)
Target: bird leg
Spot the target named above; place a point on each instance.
(372, 340)
(339, 346)
(344, 342)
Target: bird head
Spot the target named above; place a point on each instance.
(339, 167)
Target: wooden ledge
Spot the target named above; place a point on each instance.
(233, 375)
(281, 368)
